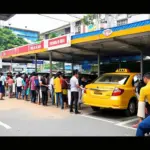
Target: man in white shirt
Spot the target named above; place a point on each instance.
(74, 87)
(51, 87)
(19, 83)
(2, 88)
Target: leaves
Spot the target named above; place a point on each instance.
(52, 35)
(9, 40)
(88, 19)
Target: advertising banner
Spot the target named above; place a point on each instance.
(59, 42)
(23, 50)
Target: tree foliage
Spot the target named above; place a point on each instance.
(88, 19)
(52, 35)
(9, 40)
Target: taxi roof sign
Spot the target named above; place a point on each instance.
(123, 70)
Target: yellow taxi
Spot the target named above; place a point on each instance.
(113, 90)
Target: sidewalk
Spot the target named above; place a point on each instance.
(35, 110)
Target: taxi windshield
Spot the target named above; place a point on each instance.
(113, 79)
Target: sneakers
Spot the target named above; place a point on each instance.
(77, 112)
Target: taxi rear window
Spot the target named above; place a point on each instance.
(113, 79)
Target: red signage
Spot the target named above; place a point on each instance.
(57, 41)
(36, 46)
(22, 49)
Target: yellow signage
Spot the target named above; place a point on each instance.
(123, 70)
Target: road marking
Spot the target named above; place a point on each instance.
(5, 125)
(122, 124)
(100, 119)
(125, 122)
(127, 127)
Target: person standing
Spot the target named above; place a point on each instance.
(51, 87)
(138, 85)
(26, 87)
(64, 91)
(19, 82)
(58, 89)
(2, 86)
(144, 100)
(10, 86)
(74, 85)
(33, 87)
(82, 84)
(44, 89)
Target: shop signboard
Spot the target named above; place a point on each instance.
(59, 42)
(22, 50)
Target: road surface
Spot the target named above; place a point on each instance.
(22, 118)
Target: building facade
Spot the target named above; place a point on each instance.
(107, 21)
(28, 35)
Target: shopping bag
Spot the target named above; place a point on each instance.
(28, 91)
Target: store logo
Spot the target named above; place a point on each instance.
(107, 32)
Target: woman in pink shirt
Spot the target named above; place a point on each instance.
(10, 82)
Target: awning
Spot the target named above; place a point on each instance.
(5, 17)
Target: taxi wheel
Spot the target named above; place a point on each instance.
(131, 108)
(95, 108)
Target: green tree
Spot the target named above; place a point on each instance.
(88, 19)
(52, 35)
(9, 40)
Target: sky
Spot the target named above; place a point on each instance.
(41, 23)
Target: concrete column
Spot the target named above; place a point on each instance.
(98, 61)
(35, 62)
(141, 64)
(50, 61)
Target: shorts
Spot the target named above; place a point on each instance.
(2, 89)
(19, 89)
(10, 87)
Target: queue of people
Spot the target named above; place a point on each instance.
(37, 88)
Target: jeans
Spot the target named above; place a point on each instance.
(52, 96)
(59, 95)
(144, 127)
(33, 96)
(74, 97)
(44, 97)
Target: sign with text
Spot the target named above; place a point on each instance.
(38, 61)
(36, 46)
(59, 42)
(26, 49)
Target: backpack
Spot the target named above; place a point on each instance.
(36, 82)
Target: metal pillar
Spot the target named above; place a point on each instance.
(72, 67)
(50, 61)
(11, 70)
(119, 62)
(141, 65)
(98, 61)
(63, 67)
(35, 62)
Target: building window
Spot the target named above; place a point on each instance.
(122, 22)
(46, 36)
(67, 30)
(78, 27)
